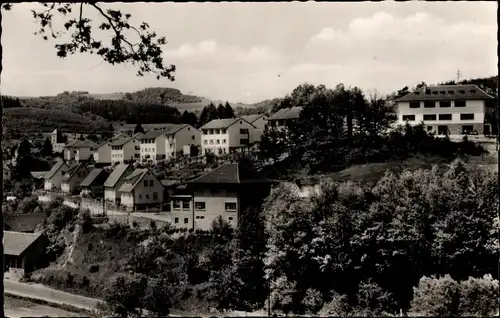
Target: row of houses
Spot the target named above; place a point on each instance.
(227, 191)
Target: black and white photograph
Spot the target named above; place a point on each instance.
(250, 159)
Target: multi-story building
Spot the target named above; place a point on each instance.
(260, 122)
(284, 117)
(224, 136)
(103, 153)
(142, 191)
(125, 150)
(177, 137)
(447, 109)
(79, 150)
(115, 181)
(54, 177)
(152, 146)
(228, 191)
(73, 177)
(57, 141)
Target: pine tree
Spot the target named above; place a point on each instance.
(138, 129)
(220, 112)
(204, 116)
(212, 112)
(228, 111)
(47, 149)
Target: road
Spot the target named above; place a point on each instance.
(50, 295)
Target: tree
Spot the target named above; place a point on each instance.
(24, 148)
(212, 112)
(189, 118)
(47, 150)
(93, 138)
(273, 143)
(138, 129)
(145, 53)
(204, 117)
(124, 293)
(220, 112)
(228, 111)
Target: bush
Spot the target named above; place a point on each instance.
(436, 297)
(479, 297)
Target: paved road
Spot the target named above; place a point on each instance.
(37, 291)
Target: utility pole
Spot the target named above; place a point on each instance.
(458, 76)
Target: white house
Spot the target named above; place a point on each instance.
(447, 109)
(152, 146)
(115, 181)
(179, 137)
(79, 150)
(228, 191)
(142, 191)
(54, 177)
(260, 122)
(57, 144)
(103, 153)
(125, 150)
(223, 136)
(73, 177)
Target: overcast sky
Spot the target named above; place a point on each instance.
(252, 51)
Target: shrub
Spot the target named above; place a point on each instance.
(337, 306)
(435, 297)
(479, 297)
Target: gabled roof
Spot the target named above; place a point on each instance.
(55, 168)
(82, 144)
(222, 123)
(38, 174)
(72, 170)
(151, 134)
(23, 222)
(252, 118)
(133, 179)
(121, 141)
(231, 173)
(96, 177)
(174, 128)
(446, 92)
(286, 113)
(116, 175)
(15, 243)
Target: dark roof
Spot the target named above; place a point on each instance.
(252, 118)
(82, 144)
(175, 128)
(151, 134)
(221, 123)
(286, 113)
(96, 177)
(15, 243)
(23, 222)
(72, 170)
(133, 179)
(146, 127)
(231, 173)
(121, 141)
(117, 173)
(446, 92)
(55, 168)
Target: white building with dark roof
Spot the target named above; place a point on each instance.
(141, 190)
(79, 150)
(115, 181)
(447, 109)
(260, 122)
(224, 136)
(125, 149)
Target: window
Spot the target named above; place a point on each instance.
(185, 205)
(147, 196)
(459, 103)
(429, 104)
(243, 131)
(200, 217)
(444, 104)
(466, 116)
(243, 141)
(467, 129)
(177, 204)
(230, 218)
(137, 148)
(223, 131)
(462, 91)
(217, 131)
(429, 128)
(442, 92)
(430, 117)
(140, 196)
(218, 141)
(223, 141)
(444, 116)
(473, 91)
(155, 196)
(176, 220)
(186, 220)
(200, 206)
(451, 92)
(205, 142)
(211, 142)
(434, 92)
(192, 137)
(230, 206)
(151, 183)
(408, 117)
(146, 183)
(414, 104)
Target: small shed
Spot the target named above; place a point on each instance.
(24, 252)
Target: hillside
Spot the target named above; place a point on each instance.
(29, 120)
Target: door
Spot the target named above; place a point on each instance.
(442, 130)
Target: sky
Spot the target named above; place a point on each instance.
(248, 52)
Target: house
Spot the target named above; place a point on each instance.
(115, 181)
(224, 136)
(79, 150)
(283, 117)
(152, 146)
(228, 191)
(7, 172)
(103, 153)
(260, 122)
(180, 138)
(142, 191)
(125, 149)
(93, 184)
(54, 177)
(73, 177)
(447, 109)
(57, 140)
(24, 252)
